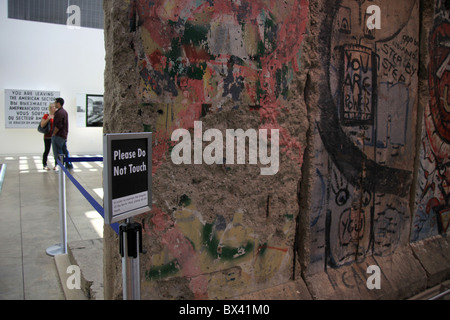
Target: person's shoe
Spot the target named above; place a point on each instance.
(46, 168)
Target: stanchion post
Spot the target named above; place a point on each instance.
(62, 206)
(130, 237)
(62, 247)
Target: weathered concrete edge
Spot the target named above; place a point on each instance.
(432, 292)
(409, 271)
(434, 256)
(62, 262)
(404, 274)
(82, 253)
(90, 285)
(292, 290)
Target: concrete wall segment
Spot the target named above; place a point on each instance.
(215, 231)
(348, 103)
(361, 184)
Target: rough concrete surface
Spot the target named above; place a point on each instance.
(215, 231)
(88, 255)
(362, 120)
(434, 256)
(63, 263)
(402, 276)
(292, 290)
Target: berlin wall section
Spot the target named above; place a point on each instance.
(224, 229)
(431, 214)
(362, 149)
(360, 180)
(362, 194)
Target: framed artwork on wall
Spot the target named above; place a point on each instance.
(94, 110)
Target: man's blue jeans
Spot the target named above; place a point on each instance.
(59, 146)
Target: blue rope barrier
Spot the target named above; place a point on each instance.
(83, 159)
(89, 198)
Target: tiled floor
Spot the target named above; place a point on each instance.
(29, 223)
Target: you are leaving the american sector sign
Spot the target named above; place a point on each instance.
(127, 161)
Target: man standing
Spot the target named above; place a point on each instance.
(60, 132)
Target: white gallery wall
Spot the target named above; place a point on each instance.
(50, 57)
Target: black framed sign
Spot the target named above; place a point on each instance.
(127, 165)
(94, 110)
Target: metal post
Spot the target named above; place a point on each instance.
(62, 247)
(62, 206)
(2, 175)
(130, 247)
(440, 295)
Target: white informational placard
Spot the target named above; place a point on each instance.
(25, 108)
(129, 203)
(127, 184)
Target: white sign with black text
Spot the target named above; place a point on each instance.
(25, 108)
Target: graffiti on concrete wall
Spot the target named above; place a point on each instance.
(198, 60)
(204, 57)
(364, 134)
(216, 257)
(432, 212)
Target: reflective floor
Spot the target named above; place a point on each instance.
(29, 223)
